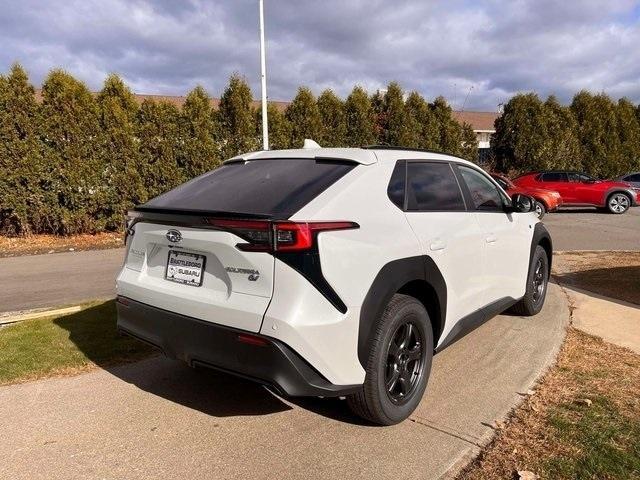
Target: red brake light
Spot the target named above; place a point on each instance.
(297, 236)
(266, 236)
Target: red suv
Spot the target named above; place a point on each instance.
(581, 190)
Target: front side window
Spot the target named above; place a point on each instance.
(633, 178)
(484, 193)
(554, 177)
(579, 177)
(432, 186)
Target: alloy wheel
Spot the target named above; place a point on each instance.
(539, 280)
(405, 363)
(619, 203)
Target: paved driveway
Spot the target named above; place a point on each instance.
(160, 419)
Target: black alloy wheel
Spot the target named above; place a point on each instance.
(405, 363)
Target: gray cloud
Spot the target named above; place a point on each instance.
(496, 48)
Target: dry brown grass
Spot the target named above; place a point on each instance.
(36, 244)
(612, 274)
(556, 434)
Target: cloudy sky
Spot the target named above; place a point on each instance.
(487, 49)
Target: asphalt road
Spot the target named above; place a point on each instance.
(66, 278)
(160, 419)
(588, 229)
(56, 279)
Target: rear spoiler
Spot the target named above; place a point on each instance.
(184, 218)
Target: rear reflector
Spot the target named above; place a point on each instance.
(252, 340)
(266, 236)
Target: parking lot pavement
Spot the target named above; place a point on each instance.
(588, 229)
(37, 281)
(158, 418)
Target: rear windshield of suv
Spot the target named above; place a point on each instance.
(274, 188)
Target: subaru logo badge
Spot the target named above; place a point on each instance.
(174, 236)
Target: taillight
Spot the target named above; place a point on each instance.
(258, 233)
(266, 236)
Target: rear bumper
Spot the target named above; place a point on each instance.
(204, 343)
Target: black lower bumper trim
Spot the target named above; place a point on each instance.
(204, 343)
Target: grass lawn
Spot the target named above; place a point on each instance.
(65, 345)
(582, 422)
(612, 274)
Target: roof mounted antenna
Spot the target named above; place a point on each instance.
(310, 144)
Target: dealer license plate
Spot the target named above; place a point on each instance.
(184, 267)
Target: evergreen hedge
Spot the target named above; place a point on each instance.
(74, 162)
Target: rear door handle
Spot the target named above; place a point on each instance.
(492, 238)
(437, 245)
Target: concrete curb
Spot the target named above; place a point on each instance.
(8, 318)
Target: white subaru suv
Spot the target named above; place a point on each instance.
(330, 271)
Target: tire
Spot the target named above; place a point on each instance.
(395, 381)
(541, 210)
(618, 203)
(537, 282)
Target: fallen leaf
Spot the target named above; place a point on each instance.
(527, 475)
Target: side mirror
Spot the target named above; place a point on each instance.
(522, 203)
(590, 181)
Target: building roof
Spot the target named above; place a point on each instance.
(477, 120)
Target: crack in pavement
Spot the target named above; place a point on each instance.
(446, 430)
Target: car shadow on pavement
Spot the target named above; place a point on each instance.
(615, 283)
(214, 393)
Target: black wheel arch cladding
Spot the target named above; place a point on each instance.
(541, 237)
(390, 279)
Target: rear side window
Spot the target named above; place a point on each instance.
(554, 177)
(274, 188)
(433, 186)
(396, 187)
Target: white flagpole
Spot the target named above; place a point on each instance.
(263, 75)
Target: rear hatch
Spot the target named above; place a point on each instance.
(204, 249)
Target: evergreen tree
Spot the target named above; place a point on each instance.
(198, 152)
(360, 119)
(334, 124)
(468, 143)
(449, 132)
(304, 117)
(158, 131)
(22, 206)
(70, 133)
(424, 134)
(561, 147)
(236, 119)
(629, 131)
(521, 134)
(598, 133)
(279, 127)
(379, 117)
(122, 170)
(397, 127)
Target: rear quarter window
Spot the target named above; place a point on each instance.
(273, 188)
